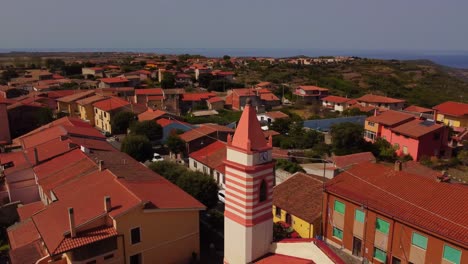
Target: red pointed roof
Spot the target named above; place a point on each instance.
(249, 131)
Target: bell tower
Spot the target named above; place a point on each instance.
(248, 218)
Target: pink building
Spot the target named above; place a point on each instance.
(310, 93)
(409, 135)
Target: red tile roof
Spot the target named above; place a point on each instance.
(22, 234)
(291, 194)
(452, 108)
(197, 96)
(76, 96)
(90, 100)
(391, 118)
(212, 155)
(417, 128)
(336, 99)
(418, 109)
(372, 98)
(269, 97)
(85, 238)
(111, 103)
(26, 211)
(249, 135)
(114, 80)
(276, 114)
(202, 131)
(151, 114)
(418, 201)
(345, 161)
(214, 100)
(29, 253)
(150, 91)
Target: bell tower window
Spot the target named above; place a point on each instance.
(263, 191)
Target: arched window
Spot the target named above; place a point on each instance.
(263, 191)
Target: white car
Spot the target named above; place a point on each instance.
(157, 157)
(222, 196)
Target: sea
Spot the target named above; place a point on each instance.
(454, 59)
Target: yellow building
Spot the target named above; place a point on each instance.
(68, 105)
(453, 114)
(298, 202)
(86, 108)
(104, 111)
(110, 212)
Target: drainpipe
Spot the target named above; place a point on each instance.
(41, 259)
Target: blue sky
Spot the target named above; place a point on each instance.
(306, 24)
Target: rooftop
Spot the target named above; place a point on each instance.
(452, 108)
(391, 118)
(114, 80)
(249, 135)
(76, 96)
(406, 197)
(212, 155)
(345, 161)
(110, 104)
(312, 88)
(417, 128)
(372, 98)
(336, 99)
(150, 91)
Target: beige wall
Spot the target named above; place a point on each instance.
(169, 236)
(87, 113)
(102, 120)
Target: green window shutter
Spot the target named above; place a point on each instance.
(380, 255)
(382, 225)
(451, 254)
(359, 216)
(338, 233)
(339, 207)
(419, 240)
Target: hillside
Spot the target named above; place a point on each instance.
(419, 82)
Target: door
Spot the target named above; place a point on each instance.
(357, 247)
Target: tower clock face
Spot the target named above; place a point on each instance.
(264, 156)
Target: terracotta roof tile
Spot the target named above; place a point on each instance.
(214, 100)
(345, 161)
(335, 99)
(291, 194)
(114, 80)
(26, 211)
(312, 88)
(90, 100)
(372, 98)
(151, 115)
(418, 109)
(417, 128)
(76, 96)
(269, 97)
(203, 131)
(407, 197)
(111, 104)
(276, 114)
(452, 108)
(86, 237)
(212, 155)
(150, 91)
(22, 233)
(391, 118)
(249, 135)
(197, 96)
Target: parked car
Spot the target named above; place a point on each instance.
(157, 157)
(222, 196)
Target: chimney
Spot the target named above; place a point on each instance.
(398, 165)
(435, 116)
(71, 218)
(100, 163)
(36, 156)
(107, 204)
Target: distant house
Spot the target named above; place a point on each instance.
(381, 102)
(289, 205)
(270, 117)
(201, 70)
(336, 103)
(204, 135)
(226, 75)
(113, 82)
(86, 108)
(68, 105)
(265, 85)
(172, 126)
(182, 79)
(153, 97)
(193, 101)
(453, 114)
(210, 160)
(310, 94)
(412, 136)
(97, 72)
(215, 103)
(104, 110)
(237, 98)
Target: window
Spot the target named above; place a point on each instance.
(382, 226)
(105, 114)
(370, 135)
(194, 164)
(108, 256)
(405, 150)
(95, 110)
(288, 219)
(135, 235)
(359, 215)
(338, 233)
(380, 255)
(396, 260)
(419, 240)
(263, 191)
(371, 124)
(135, 259)
(278, 212)
(451, 254)
(339, 207)
(436, 136)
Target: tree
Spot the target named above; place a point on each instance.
(138, 147)
(281, 125)
(347, 138)
(175, 144)
(54, 64)
(121, 121)
(383, 150)
(226, 57)
(8, 74)
(14, 92)
(44, 116)
(152, 130)
(463, 157)
(168, 80)
(204, 79)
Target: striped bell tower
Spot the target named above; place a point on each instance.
(248, 218)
